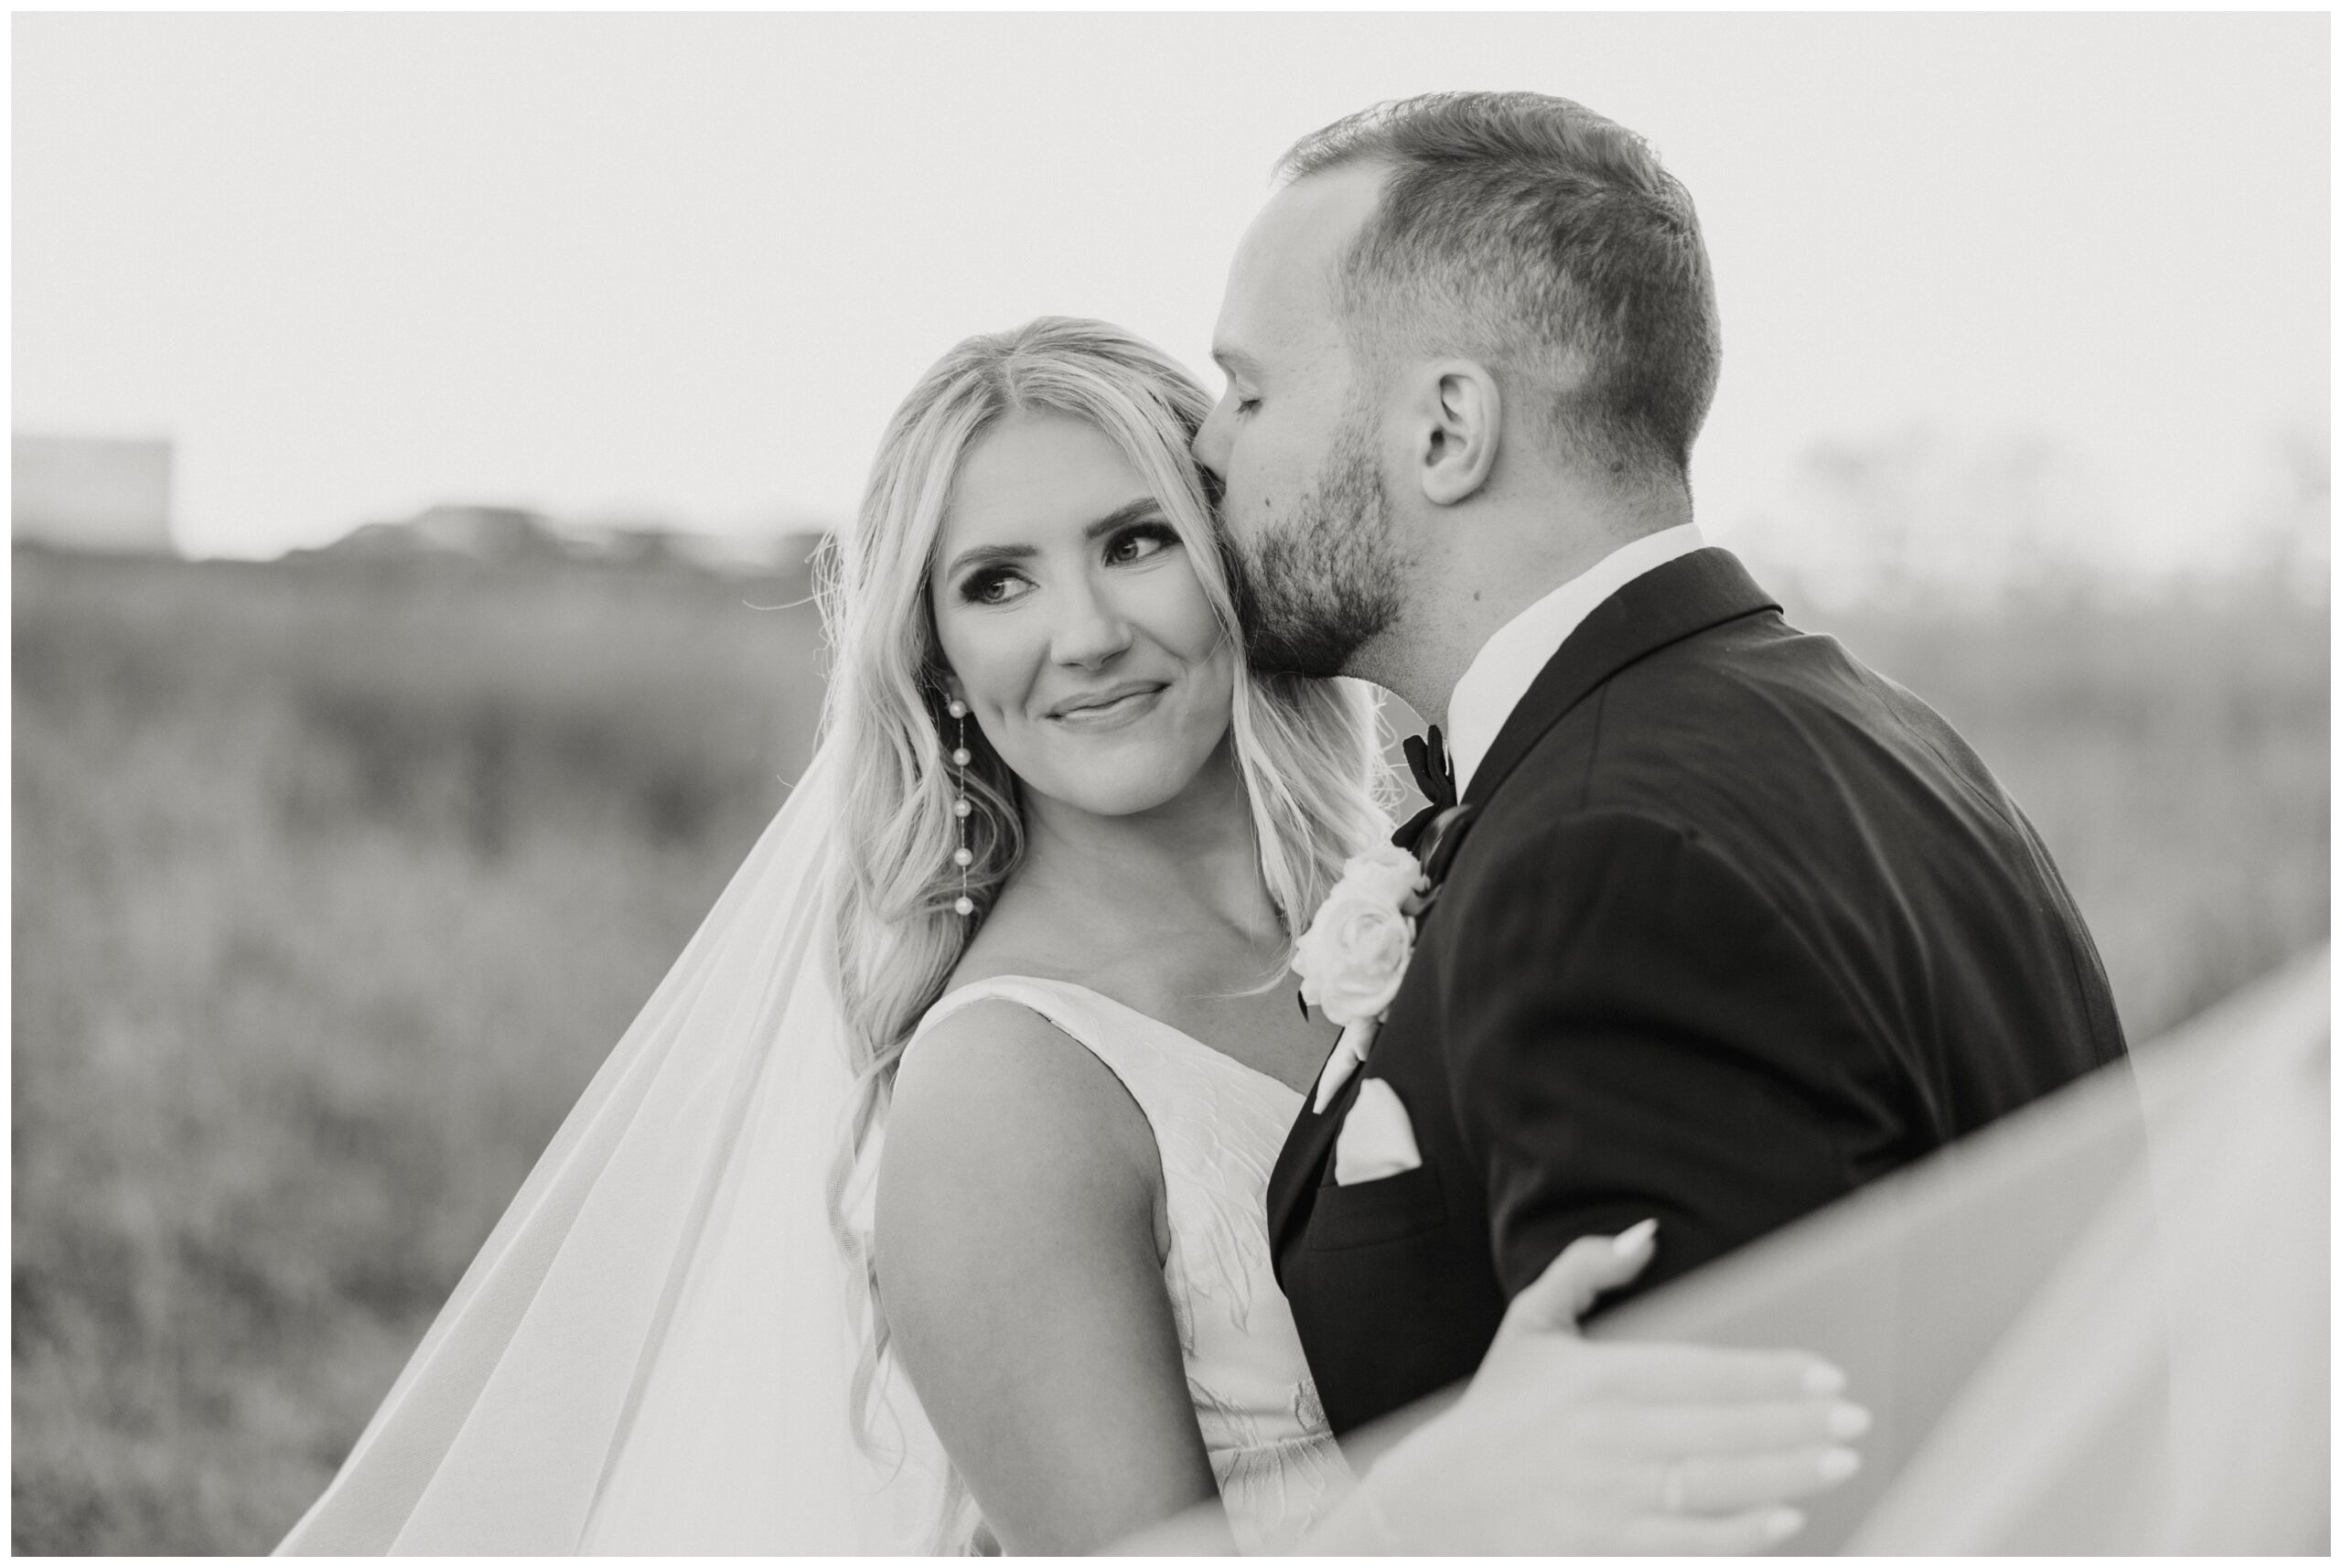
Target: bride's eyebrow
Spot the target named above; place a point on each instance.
(1122, 516)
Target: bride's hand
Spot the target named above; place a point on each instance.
(1563, 1445)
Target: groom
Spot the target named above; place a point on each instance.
(1726, 925)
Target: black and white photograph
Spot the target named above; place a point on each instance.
(1360, 783)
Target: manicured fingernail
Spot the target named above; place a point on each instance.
(1822, 1377)
(1782, 1523)
(1848, 1420)
(1837, 1463)
(1634, 1238)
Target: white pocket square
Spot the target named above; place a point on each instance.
(1376, 1140)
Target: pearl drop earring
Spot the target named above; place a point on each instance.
(962, 857)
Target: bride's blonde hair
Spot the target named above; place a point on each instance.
(1305, 749)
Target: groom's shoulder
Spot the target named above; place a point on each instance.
(1748, 733)
(1757, 695)
(1745, 693)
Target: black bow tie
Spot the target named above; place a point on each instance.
(1434, 774)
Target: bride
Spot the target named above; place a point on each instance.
(921, 1208)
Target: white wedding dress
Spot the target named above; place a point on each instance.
(1217, 1125)
(655, 1351)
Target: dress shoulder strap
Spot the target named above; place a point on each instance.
(1152, 1068)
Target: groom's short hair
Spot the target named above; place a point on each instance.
(1532, 234)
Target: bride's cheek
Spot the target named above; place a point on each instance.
(1200, 636)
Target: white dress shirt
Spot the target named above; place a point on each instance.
(1501, 672)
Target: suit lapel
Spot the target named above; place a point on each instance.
(1302, 1161)
(1665, 605)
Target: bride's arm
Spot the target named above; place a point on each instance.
(1020, 1268)
(1558, 1447)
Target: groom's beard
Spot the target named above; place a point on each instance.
(1314, 592)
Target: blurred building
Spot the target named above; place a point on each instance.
(92, 493)
(474, 532)
(515, 534)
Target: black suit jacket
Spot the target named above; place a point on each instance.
(1737, 926)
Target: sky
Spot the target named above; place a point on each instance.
(683, 267)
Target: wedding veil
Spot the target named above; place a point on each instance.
(653, 1352)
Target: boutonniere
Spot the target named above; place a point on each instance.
(1355, 953)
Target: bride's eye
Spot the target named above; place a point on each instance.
(991, 586)
(1139, 543)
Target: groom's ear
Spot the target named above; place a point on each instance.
(1462, 414)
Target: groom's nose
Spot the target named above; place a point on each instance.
(1211, 443)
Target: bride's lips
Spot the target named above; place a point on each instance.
(1110, 708)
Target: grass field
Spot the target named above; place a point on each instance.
(335, 881)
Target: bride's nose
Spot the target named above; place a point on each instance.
(1090, 630)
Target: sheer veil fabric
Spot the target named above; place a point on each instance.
(653, 1352)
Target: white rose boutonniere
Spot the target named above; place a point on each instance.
(1354, 952)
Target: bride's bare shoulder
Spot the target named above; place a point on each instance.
(996, 1112)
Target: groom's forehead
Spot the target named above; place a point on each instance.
(1284, 268)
